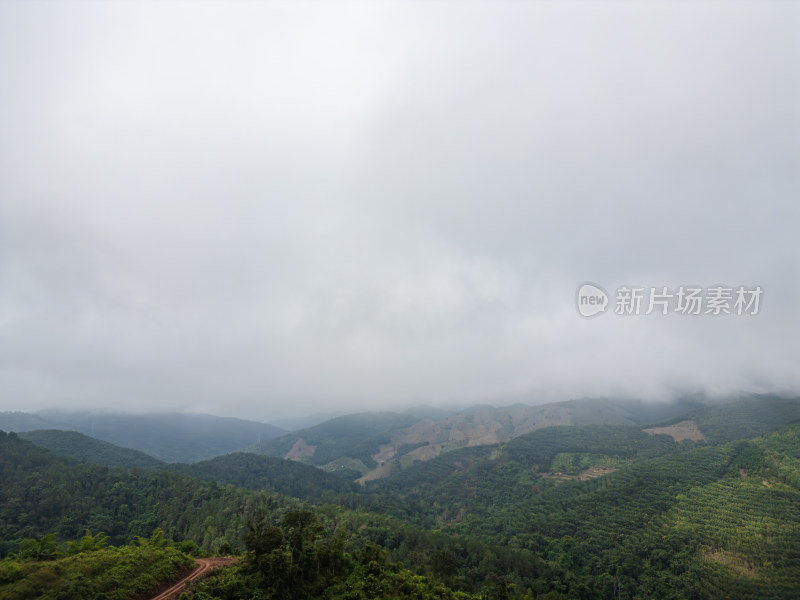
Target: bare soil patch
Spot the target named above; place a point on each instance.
(376, 473)
(685, 430)
(300, 450)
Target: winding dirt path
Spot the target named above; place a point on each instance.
(204, 565)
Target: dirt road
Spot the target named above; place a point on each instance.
(204, 565)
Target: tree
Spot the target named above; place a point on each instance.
(45, 548)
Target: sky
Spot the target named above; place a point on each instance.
(270, 209)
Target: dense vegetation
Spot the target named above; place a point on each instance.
(300, 559)
(563, 512)
(251, 471)
(42, 493)
(284, 477)
(87, 449)
(673, 521)
(744, 418)
(90, 570)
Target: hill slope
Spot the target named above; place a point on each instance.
(254, 472)
(344, 444)
(369, 446)
(638, 514)
(87, 449)
(593, 511)
(174, 437)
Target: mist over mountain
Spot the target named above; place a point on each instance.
(399, 300)
(376, 204)
(168, 437)
(709, 492)
(88, 449)
(368, 446)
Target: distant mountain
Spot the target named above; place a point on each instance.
(745, 417)
(251, 471)
(571, 452)
(22, 421)
(87, 449)
(304, 422)
(345, 445)
(723, 510)
(566, 451)
(175, 437)
(368, 446)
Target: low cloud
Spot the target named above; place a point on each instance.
(271, 209)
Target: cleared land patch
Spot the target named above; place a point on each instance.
(590, 473)
(685, 430)
(301, 450)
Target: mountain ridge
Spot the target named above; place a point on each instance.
(168, 437)
(390, 447)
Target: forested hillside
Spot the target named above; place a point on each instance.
(345, 445)
(90, 569)
(596, 511)
(246, 470)
(87, 449)
(285, 477)
(638, 513)
(369, 446)
(743, 417)
(363, 446)
(42, 493)
(46, 501)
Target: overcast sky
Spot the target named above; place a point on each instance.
(267, 209)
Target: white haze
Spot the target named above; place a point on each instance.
(271, 209)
